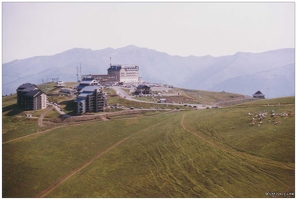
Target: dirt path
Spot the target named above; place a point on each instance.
(41, 132)
(40, 119)
(88, 162)
(73, 172)
(64, 125)
(235, 152)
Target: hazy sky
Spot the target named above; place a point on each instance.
(34, 29)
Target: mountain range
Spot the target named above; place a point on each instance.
(271, 72)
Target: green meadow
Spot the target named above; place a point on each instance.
(197, 153)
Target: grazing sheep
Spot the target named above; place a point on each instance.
(252, 123)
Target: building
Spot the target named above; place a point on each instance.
(162, 101)
(60, 84)
(117, 74)
(87, 82)
(125, 73)
(259, 95)
(104, 79)
(90, 99)
(29, 97)
(142, 89)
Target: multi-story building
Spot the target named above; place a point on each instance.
(125, 73)
(90, 99)
(29, 97)
(86, 81)
(117, 74)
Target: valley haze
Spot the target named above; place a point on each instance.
(271, 72)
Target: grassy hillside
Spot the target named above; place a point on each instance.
(14, 126)
(207, 97)
(231, 126)
(201, 153)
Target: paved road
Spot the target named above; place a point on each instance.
(123, 94)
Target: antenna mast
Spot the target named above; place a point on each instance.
(80, 69)
(77, 73)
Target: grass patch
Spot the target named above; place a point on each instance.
(13, 124)
(159, 159)
(208, 97)
(31, 164)
(166, 161)
(232, 127)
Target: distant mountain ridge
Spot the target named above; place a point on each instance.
(271, 72)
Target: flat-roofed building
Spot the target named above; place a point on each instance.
(60, 84)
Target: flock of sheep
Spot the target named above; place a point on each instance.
(258, 117)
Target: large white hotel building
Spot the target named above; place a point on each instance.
(117, 74)
(125, 73)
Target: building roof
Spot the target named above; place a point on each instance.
(34, 93)
(130, 67)
(26, 87)
(88, 81)
(142, 86)
(83, 95)
(258, 93)
(114, 68)
(90, 88)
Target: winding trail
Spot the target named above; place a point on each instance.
(37, 133)
(88, 162)
(63, 125)
(235, 152)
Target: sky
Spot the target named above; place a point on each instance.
(184, 29)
